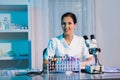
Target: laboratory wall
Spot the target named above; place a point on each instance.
(108, 26)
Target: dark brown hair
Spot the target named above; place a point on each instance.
(71, 15)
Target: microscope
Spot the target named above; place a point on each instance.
(93, 50)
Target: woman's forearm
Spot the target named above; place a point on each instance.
(89, 61)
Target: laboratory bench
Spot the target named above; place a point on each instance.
(63, 76)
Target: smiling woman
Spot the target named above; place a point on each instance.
(46, 22)
(68, 23)
(68, 44)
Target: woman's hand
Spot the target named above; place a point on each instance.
(89, 61)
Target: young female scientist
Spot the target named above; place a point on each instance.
(68, 43)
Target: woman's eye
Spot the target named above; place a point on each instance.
(69, 23)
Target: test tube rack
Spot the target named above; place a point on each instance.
(63, 64)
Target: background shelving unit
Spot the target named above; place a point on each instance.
(17, 33)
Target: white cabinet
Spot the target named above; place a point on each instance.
(14, 30)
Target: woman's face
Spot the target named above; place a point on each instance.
(68, 25)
